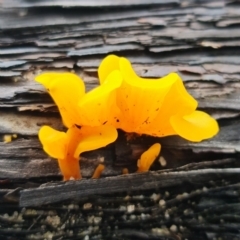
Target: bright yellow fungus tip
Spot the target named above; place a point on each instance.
(108, 64)
(195, 127)
(125, 171)
(98, 171)
(148, 157)
(66, 89)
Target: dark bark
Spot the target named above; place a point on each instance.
(199, 185)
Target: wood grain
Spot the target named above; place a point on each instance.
(197, 39)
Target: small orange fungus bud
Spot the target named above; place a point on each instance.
(148, 157)
(7, 138)
(125, 171)
(98, 171)
(14, 135)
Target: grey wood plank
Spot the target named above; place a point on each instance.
(91, 3)
(83, 188)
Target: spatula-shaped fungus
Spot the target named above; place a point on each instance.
(156, 107)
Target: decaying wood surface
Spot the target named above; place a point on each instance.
(193, 191)
(79, 189)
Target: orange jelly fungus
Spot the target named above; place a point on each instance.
(66, 89)
(66, 147)
(98, 171)
(88, 117)
(94, 108)
(99, 106)
(156, 107)
(148, 157)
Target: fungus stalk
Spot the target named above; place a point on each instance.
(98, 171)
(67, 147)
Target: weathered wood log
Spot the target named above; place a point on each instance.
(132, 182)
(197, 39)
